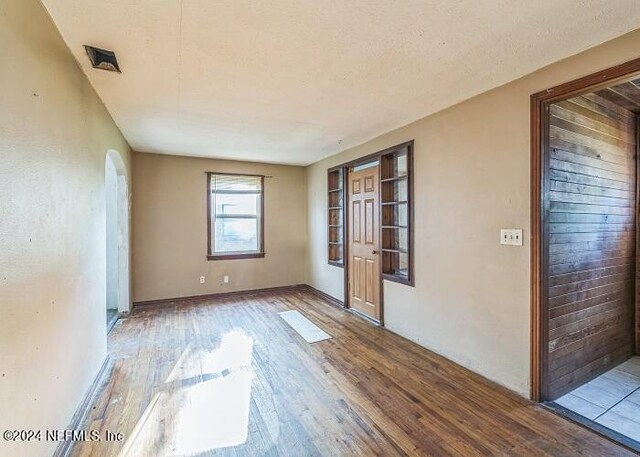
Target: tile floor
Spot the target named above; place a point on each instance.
(612, 399)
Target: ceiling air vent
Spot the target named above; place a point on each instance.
(102, 59)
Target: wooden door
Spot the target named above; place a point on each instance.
(364, 241)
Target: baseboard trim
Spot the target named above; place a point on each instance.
(237, 293)
(64, 447)
(323, 295)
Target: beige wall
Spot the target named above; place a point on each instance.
(54, 136)
(471, 298)
(170, 229)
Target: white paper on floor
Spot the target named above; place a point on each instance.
(307, 329)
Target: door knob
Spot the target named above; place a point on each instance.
(374, 252)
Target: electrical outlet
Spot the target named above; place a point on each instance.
(511, 237)
(225, 279)
(202, 280)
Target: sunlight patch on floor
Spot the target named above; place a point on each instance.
(212, 413)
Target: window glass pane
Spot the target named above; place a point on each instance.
(234, 204)
(235, 183)
(403, 242)
(395, 191)
(236, 235)
(366, 165)
(403, 264)
(401, 214)
(395, 238)
(395, 215)
(401, 165)
(402, 190)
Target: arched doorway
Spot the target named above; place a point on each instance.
(117, 237)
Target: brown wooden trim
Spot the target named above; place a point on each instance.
(381, 321)
(636, 310)
(397, 279)
(345, 237)
(204, 297)
(540, 102)
(336, 263)
(376, 155)
(590, 82)
(261, 248)
(410, 280)
(222, 173)
(253, 255)
(345, 233)
(208, 215)
(410, 208)
(262, 221)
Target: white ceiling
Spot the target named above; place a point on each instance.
(293, 81)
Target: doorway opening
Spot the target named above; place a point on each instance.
(117, 238)
(584, 251)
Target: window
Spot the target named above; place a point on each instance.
(236, 216)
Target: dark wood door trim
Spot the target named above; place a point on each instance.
(346, 167)
(636, 326)
(539, 165)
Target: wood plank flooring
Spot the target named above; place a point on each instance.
(229, 377)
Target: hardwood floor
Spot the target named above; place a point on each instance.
(229, 377)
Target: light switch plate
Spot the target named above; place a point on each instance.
(511, 237)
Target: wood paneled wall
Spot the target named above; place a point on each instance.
(590, 209)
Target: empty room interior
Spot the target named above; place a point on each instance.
(316, 228)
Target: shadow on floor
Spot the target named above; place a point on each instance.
(112, 318)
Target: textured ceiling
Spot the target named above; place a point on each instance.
(293, 81)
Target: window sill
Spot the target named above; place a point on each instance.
(399, 279)
(252, 255)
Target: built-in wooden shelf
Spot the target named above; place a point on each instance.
(402, 202)
(335, 217)
(401, 251)
(394, 178)
(397, 214)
